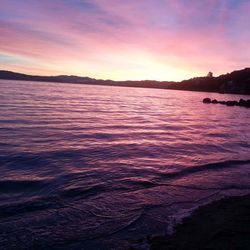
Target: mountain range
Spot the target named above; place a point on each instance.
(236, 82)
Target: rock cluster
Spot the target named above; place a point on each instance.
(241, 102)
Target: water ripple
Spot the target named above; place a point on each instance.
(93, 162)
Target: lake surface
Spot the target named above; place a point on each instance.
(96, 167)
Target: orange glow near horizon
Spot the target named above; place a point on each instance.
(129, 69)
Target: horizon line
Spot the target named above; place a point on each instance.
(98, 79)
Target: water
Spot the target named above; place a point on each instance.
(98, 167)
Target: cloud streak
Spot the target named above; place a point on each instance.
(115, 39)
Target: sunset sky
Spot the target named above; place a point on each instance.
(125, 39)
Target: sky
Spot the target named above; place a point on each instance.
(125, 39)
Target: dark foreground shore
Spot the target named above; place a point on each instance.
(223, 224)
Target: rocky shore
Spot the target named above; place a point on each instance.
(223, 224)
(241, 102)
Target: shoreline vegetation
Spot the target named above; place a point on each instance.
(222, 224)
(236, 82)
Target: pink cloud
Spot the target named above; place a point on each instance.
(113, 32)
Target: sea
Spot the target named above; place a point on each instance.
(103, 167)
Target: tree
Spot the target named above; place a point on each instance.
(210, 74)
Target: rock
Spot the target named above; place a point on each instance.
(244, 103)
(241, 102)
(222, 102)
(248, 103)
(231, 103)
(206, 100)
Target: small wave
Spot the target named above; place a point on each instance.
(82, 193)
(24, 160)
(138, 184)
(19, 185)
(29, 206)
(206, 167)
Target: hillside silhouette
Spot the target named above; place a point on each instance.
(236, 82)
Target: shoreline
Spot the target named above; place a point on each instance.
(221, 224)
(128, 86)
(236, 82)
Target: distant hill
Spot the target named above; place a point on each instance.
(61, 78)
(8, 75)
(237, 82)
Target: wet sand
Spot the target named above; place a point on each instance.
(223, 224)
